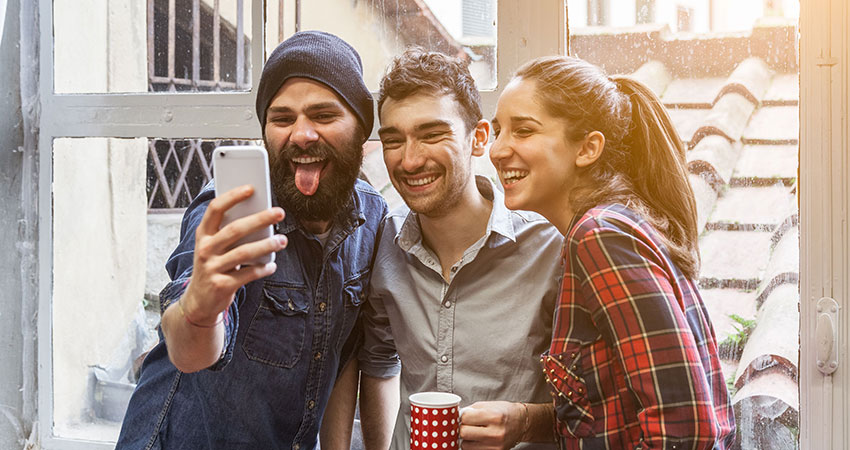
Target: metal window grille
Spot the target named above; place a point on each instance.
(177, 170)
(191, 48)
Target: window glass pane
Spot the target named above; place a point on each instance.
(105, 46)
(380, 29)
(116, 219)
(733, 98)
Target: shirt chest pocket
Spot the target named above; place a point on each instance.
(353, 295)
(277, 330)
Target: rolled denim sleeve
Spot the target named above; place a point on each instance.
(179, 267)
(378, 356)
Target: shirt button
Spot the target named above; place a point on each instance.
(311, 404)
(444, 358)
(322, 307)
(296, 446)
(447, 304)
(317, 356)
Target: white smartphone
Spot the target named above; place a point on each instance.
(237, 166)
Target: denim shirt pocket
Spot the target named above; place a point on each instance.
(355, 290)
(353, 295)
(572, 404)
(276, 333)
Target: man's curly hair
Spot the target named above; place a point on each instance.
(419, 71)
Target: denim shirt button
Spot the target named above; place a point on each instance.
(447, 304)
(322, 307)
(311, 404)
(317, 356)
(444, 358)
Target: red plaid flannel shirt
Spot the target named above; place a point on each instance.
(633, 362)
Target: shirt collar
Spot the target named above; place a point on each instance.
(500, 222)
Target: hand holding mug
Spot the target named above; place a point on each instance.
(493, 425)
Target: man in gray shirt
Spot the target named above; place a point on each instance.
(463, 290)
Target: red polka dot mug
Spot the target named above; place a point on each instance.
(434, 421)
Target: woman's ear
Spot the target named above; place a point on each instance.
(480, 137)
(591, 149)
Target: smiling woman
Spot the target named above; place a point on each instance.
(599, 158)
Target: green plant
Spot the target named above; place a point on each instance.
(730, 385)
(733, 345)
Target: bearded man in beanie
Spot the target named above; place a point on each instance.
(249, 355)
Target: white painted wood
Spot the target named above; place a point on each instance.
(525, 30)
(824, 196)
(163, 115)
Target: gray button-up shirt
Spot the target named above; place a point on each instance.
(479, 335)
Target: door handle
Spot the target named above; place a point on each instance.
(826, 334)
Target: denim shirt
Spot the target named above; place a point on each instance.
(286, 339)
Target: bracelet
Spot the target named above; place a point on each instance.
(527, 425)
(190, 322)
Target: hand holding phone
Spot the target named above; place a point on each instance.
(237, 166)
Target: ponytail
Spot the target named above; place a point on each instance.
(658, 173)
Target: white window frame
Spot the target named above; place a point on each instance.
(525, 30)
(824, 193)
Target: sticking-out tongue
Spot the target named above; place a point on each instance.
(307, 177)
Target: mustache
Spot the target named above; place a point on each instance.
(317, 149)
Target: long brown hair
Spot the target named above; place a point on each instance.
(643, 163)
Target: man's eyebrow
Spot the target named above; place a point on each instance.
(324, 105)
(432, 124)
(279, 109)
(310, 108)
(387, 130)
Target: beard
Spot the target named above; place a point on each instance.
(335, 186)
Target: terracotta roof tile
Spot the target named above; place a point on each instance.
(767, 162)
(728, 118)
(719, 152)
(784, 266)
(733, 258)
(773, 125)
(692, 92)
(687, 121)
(750, 79)
(655, 75)
(773, 345)
(765, 390)
(752, 207)
(783, 90)
(705, 196)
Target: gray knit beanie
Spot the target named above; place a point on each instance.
(322, 57)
